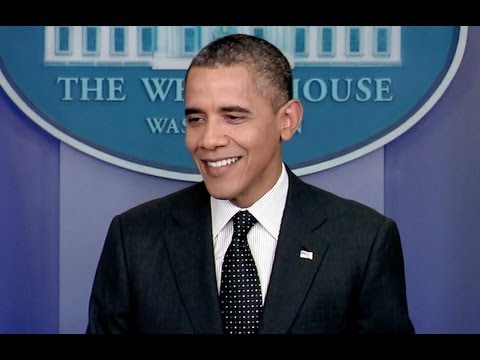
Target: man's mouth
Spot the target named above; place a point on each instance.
(223, 162)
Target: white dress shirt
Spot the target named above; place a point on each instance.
(263, 236)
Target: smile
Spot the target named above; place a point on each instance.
(223, 162)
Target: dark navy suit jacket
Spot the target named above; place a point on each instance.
(156, 272)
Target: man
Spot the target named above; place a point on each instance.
(297, 260)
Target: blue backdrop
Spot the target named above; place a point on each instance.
(56, 204)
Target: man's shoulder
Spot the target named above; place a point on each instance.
(190, 196)
(345, 218)
(335, 205)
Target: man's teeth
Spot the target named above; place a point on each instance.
(222, 162)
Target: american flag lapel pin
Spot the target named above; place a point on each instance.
(304, 254)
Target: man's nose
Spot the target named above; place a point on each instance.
(214, 135)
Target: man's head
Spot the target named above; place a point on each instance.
(267, 64)
(239, 108)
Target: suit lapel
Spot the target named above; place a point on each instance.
(292, 274)
(190, 248)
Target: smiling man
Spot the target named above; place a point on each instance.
(234, 133)
(251, 249)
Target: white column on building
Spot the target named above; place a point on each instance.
(288, 34)
(172, 42)
(275, 35)
(396, 42)
(313, 42)
(77, 44)
(269, 34)
(368, 41)
(132, 44)
(49, 43)
(282, 34)
(161, 41)
(248, 30)
(104, 43)
(205, 35)
(341, 43)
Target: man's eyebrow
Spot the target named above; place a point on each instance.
(189, 111)
(232, 108)
(235, 108)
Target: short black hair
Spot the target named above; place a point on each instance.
(269, 66)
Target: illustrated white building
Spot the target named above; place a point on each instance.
(173, 47)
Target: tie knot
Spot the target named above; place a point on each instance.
(243, 221)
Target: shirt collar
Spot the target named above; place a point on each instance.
(268, 210)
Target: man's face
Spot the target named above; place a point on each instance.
(232, 133)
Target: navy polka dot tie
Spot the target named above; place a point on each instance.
(240, 291)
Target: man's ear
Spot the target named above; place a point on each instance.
(291, 115)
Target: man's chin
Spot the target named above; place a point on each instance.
(223, 192)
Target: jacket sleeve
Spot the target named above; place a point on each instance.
(382, 306)
(109, 305)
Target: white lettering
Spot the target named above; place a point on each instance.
(92, 89)
(67, 89)
(341, 90)
(322, 87)
(172, 127)
(364, 89)
(383, 87)
(158, 125)
(160, 88)
(96, 89)
(115, 87)
(335, 96)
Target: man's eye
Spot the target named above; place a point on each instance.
(194, 120)
(233, 118)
